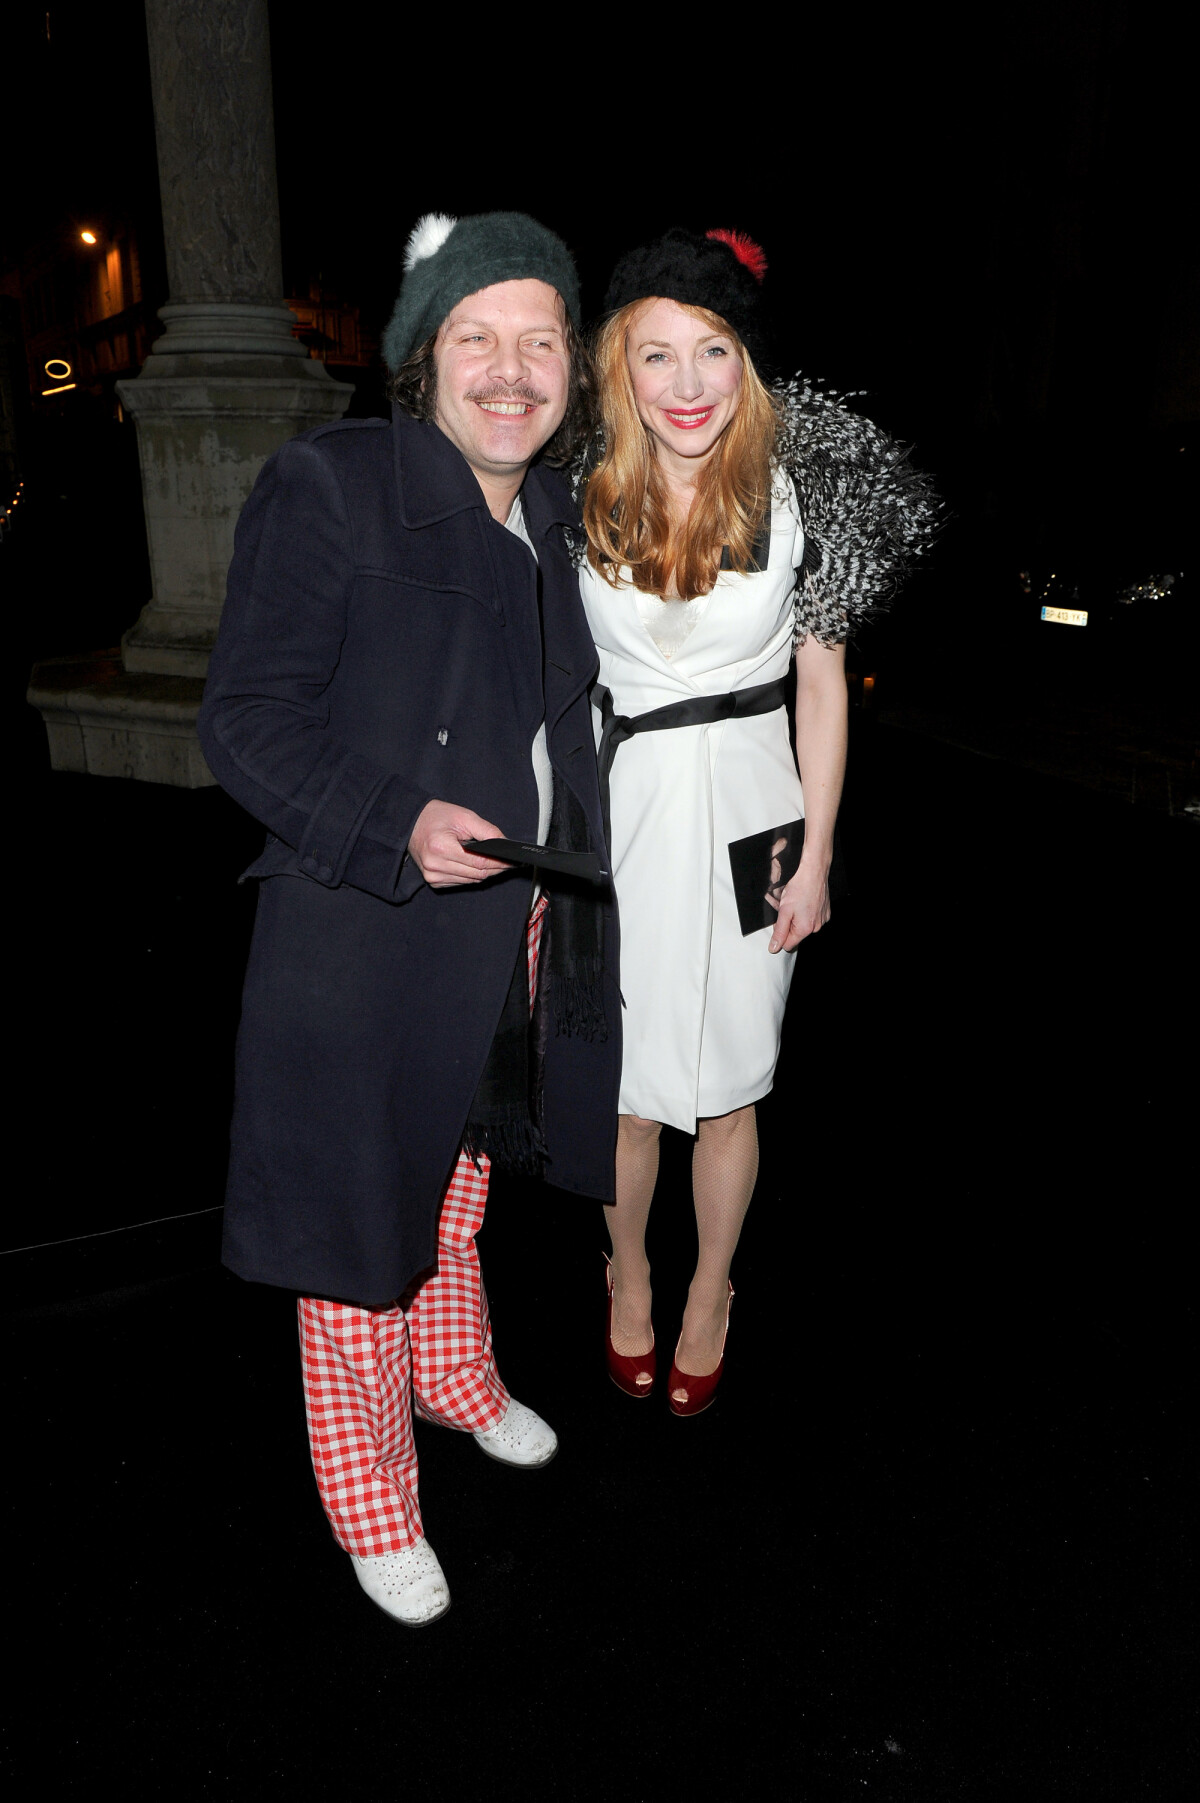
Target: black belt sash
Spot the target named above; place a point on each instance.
(700, 710)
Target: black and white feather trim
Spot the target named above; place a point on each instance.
(867, 513)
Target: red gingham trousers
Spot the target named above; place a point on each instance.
(363, 1367)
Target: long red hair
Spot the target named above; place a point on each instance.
(626, 510)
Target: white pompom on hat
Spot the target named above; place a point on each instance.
(427, 236)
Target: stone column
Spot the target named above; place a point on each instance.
(222, 389)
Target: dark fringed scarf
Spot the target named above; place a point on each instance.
(505, 1120)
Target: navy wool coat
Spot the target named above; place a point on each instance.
(380, 646)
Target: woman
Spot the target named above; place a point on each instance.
(730, 528)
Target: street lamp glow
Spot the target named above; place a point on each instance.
(88, 237)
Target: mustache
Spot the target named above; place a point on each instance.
(496, 391)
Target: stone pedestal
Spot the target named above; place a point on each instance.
(101, 721)
(221, 390)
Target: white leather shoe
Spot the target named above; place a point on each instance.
(519, 1438)
(410, 1585)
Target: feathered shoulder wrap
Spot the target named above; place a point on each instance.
(867, 513)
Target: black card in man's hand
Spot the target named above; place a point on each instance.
(582, 864)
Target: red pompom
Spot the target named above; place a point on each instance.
(744, 249)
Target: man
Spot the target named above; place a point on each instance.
(403, 668)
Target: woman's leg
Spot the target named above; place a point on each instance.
(637, 1173)
(724, 1167)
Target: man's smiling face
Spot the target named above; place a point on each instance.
(503, 374)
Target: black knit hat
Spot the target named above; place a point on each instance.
(721, 270)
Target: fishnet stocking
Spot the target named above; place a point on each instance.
(637, 1173)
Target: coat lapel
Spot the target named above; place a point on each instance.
(433, 478)
(570, 656)
(444, 514)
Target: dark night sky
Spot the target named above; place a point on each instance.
(983, 227)
(954, 223)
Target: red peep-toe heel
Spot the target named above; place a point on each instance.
(634, 1375)
(698, 1391)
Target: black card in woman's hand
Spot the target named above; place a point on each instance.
(582, 864)
(762, 866)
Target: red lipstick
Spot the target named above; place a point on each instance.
(687, 419)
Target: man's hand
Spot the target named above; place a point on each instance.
(435, 845)
(803, 908)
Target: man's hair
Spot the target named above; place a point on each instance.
(414, 387)
(626, 511)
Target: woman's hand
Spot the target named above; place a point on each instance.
(803, 907)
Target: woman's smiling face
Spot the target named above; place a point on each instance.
(687, 381)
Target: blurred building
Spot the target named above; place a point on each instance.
(82, 314)
(333, 331)
(85, 315)
(12, 400)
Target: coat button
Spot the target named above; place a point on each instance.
(308, 863)
(325, 872)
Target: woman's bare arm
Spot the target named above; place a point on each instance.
(821, 754)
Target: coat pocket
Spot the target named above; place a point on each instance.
(452, 584)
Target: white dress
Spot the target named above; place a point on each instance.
(703, 1005)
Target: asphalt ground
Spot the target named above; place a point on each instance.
(935, 1538)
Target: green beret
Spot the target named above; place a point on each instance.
(446, 259)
